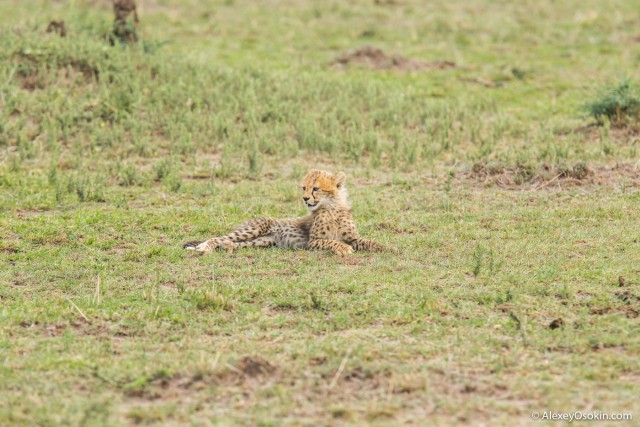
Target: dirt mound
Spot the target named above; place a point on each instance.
(58, 28)
(376, 59)
(38, 72)
(124, 30)
(123, 8)
(34, 79)
(254, 366)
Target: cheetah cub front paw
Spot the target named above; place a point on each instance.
(343, 250)
(209, 245)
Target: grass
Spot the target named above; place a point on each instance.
(516, 286)
(616, 103)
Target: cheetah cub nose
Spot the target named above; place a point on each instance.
(305, 198)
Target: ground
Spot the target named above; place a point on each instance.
(461, 129)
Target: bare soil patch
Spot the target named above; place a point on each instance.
(394, 228)
(622, 131)
(255, 366)
(482, 81)
(376, 59)
(36, 75)
(351, 261)
(249, 373)
(554, 177)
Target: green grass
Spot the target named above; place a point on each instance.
(616, 103)
(511, 209)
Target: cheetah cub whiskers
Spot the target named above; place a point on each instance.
(329, 224)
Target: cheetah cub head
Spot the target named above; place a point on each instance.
(321, 189)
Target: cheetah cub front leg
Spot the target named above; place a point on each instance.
(207, 246)
(338, 248)
(247, 234)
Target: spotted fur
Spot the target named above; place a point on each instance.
(329, 224)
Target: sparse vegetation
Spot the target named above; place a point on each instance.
(618, 103)
(515, 217)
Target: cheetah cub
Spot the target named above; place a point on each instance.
(329, 224)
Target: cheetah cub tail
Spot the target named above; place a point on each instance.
(191, 246)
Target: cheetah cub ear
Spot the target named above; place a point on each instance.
(341, 178)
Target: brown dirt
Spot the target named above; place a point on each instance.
(250, 372)
(32, 82)
(96, 328)
(123, 8)
(628, 297)
(279, 308)
(631, 313)
(604, 346)
(351, 261)
(122, 31)
(554, 177)
(255, 366)
(394, 228)
(392, 394)
(483, 81)
(359, 382)
(622, 131)
(376, 59)
(28, 213)
(625, 302)
(57, 27)
(37, 77)
(556, 323)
